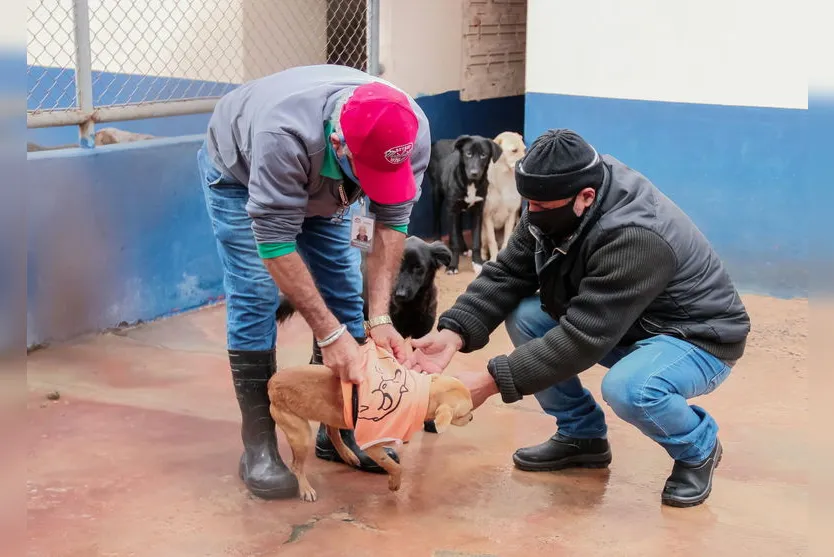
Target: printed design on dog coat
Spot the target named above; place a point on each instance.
(391, 402)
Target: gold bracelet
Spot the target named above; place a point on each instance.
(377, 321)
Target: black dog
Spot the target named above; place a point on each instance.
(458, 172)
(413, 306)
(414, 300)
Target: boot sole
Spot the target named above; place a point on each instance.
(288, 492)
(686, 502)
(601, 460)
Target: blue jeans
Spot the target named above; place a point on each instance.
(252, 296)
(647, 385)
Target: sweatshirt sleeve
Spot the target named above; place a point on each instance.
(624, 275)
(496, 292)
(277, 188)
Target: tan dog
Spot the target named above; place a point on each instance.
(312, 392)
(503, 202)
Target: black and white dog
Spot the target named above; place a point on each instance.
(458, 172)
(413, 306)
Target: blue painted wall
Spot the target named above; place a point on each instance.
(743, 174)
(819, 175)
(116, 234)
(119, 233)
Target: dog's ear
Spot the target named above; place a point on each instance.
(496, 150)
(441, 254)
(442, 418)
(461, 141)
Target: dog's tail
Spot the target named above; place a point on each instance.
(285, 310)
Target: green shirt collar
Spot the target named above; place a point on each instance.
(330, 167)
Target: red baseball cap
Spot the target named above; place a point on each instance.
(380, 129)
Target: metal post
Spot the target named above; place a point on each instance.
(373, 37)
(83, 71)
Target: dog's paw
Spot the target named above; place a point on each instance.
(468, 253)
(394, 482)
(451, 271)
(308, 494)
(477, 268)
(352, 459)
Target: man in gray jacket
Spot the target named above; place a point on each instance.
(602, 268)
(286, 165)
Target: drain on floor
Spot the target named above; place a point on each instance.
(298, 530)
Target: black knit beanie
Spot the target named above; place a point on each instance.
(558, 165)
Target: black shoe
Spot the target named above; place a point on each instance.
(560, 452)
(690, 484)
(261, 468)
(326, 451)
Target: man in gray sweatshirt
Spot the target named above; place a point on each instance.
(602, 268)
(287, 163)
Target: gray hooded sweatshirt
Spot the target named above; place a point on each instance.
(269, 134)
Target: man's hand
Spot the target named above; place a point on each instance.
(434, 351)
(344, 358)
(387, 337)
(481, 386)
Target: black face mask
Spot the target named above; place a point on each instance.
(557, 224)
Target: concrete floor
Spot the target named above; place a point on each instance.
(139, 455)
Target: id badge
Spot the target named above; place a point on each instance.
(362, 231)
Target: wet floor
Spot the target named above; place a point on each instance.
(138, 457)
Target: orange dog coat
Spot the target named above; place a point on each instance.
(391, 402)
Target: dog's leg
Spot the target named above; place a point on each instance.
(509, 226)
(377, 453)
(298, 435)
(344, 451)
(491, 242)
(484, 246)
(454, 244)
(438, 213)
(477, 218)
(459, 231)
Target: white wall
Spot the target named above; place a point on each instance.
(421, 44)
(731, 52)
(12, 37)
(211, 40)
(820, 47)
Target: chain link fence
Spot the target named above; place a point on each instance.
(51, 55)
(108, 60)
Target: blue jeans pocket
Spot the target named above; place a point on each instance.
(211, 176)
(718, 379)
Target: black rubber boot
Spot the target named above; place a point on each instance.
(324, 447)
(690, 484)
(261, 468)
(560, 452)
